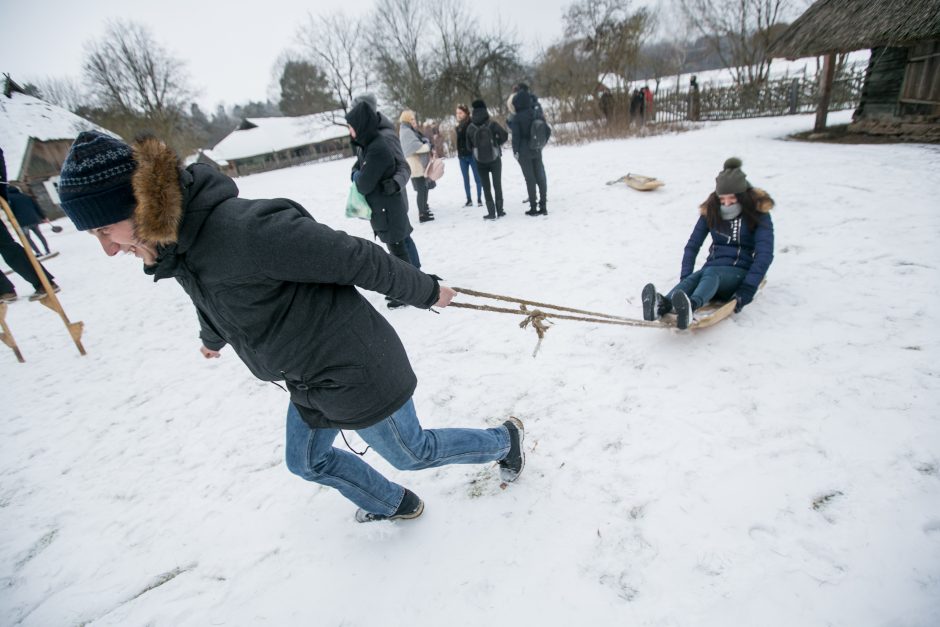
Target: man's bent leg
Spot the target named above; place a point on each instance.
(310, 454)
(401, 440)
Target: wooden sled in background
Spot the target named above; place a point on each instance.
(639, 182)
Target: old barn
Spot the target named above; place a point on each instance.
(901, 94)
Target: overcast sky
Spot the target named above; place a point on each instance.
(230, 47)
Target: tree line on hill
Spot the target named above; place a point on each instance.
(427, 55)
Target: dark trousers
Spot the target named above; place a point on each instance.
(420, 185)
(35, 229)
(494, 171)
(406, 251)
(533, 170)
(15, 257)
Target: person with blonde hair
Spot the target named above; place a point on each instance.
(417, 149)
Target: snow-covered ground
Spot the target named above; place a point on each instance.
(779, 469)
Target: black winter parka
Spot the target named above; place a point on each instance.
(280, 289)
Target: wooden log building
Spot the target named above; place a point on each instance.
(901, 95)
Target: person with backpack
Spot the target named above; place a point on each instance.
(485, 138)
(465, 156)
(530, 133)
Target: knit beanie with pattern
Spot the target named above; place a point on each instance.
(95, 183)
(731, 180)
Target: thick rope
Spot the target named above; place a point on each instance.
(538, 319)
(598, 318)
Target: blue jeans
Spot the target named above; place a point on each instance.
(710, 282)
(469, 163)
(310, 454)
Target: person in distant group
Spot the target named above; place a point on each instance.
(465, 156)
(695, 100)
(527, 149)
(417, 149)
(485, 138)
(637, 104)
(737, 216)
(283, 291)
(649, 113)
(15, 257)
(29, 215)
(381, 174)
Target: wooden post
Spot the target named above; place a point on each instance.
(50, 300)
(6, 337)
(825, 91)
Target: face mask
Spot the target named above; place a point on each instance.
(730, 212)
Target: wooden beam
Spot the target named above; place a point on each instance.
(825, 92)
(50, 300)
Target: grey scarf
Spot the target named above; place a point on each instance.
(730, 212)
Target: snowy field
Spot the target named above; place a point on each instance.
(779, 469)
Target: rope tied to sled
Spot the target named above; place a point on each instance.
(539, 319)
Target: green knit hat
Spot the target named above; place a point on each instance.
(731, 180)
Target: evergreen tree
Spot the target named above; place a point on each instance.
(305, 89)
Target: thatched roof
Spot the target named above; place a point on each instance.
(847, 25)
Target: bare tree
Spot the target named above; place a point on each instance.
(64, 92)
(471, 62)
(739, 32)
(130, 72)
(611, 33)
(402, 53)
(569, 75)
(138, 86)
(334, 44)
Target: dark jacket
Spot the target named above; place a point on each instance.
(480, 117)
(280, 288)
(25, 209)
(463, 149)
(382, 172)
(528, 110)
(735, 243)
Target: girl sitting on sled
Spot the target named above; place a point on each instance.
(737, 216)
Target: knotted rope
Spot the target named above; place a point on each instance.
(538, 319)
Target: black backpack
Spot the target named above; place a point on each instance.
(485, 149)
(539, 133)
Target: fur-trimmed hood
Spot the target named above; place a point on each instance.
(168, 196)
(762, 201)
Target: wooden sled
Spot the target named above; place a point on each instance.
(703, 317)
(710, 314)
(639, 182)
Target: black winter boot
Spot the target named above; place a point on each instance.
(652, 301)
(411, 507)
(683, 308)
(511, 466)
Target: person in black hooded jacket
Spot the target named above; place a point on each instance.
(379, 173)
(281, 290)
(528, 110)
(485, 138)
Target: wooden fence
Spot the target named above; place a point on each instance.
(783, 96)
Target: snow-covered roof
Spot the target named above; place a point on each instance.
(22, 117)
(214, 156)
(265, 135)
